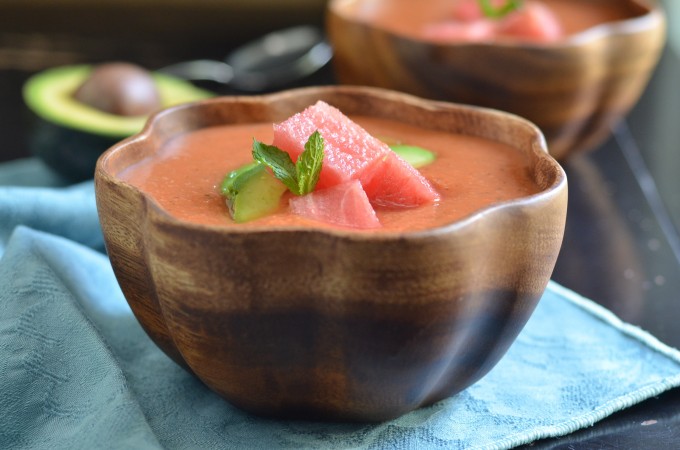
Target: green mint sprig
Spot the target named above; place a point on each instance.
(300, 177)
(498, 12)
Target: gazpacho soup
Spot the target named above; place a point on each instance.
(320, 168)
(484, 20)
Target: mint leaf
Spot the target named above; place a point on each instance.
(280, 163)
(498, 12)
(300, 177)
(308, 165)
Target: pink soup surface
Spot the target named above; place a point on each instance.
(401, 17)
(470, 173)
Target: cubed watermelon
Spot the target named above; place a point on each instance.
(348, 152)
(344, 204)
(393, 183)
(348, 147)
(534, 22)
(466, 10)
(451, 31)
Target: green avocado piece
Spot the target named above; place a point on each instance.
(251, 192)
(49, 95)
(68, 135)
(416, 156)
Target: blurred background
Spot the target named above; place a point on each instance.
(38, 34)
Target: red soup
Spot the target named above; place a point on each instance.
(458, 19)
(469, 173)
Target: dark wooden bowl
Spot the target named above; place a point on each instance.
(574, 90)
(363, 326)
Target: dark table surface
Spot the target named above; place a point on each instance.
(622, 240)
(622, 248)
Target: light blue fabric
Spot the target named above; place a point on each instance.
(77, 371)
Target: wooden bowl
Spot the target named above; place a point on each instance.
(362, 326)
(574, 90)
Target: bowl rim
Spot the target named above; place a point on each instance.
(537, 146)
(654, 18)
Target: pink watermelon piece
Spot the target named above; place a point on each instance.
(451, 31)
(534, 22)
(348, 152)
(467, 10)
(393, 183)
(344, 204)
(348, 147)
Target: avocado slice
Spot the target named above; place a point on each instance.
(251, 192)
(70, 135)
(416, 156)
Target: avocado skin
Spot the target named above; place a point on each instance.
(69, 152)
(69, 143)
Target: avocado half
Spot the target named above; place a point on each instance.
(70, 135)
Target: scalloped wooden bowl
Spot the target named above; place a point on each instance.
(302, 322)
(574, 90)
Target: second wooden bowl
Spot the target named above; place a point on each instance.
(575, 89)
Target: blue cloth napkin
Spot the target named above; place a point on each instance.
(77, 371)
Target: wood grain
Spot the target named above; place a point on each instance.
(361, 327)
(574, 90)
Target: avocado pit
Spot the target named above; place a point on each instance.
(119, 88)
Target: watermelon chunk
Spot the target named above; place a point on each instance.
(344, 204)
(393, 183)
(534, 22)
(469, 10)
(348, 147)
(349, 152)
(451, 31)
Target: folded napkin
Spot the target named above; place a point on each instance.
(77, 371)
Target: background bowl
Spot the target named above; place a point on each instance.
(574, 90)
(365, 326)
